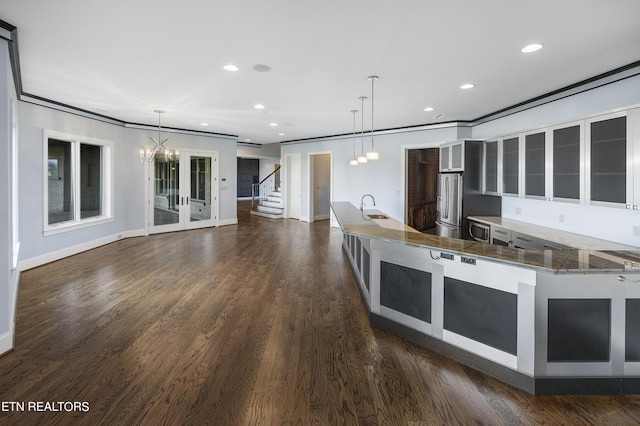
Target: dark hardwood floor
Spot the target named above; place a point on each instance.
(259, 323)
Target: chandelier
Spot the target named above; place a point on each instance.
(149, 154)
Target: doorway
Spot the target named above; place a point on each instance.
(183, 191)
(293, 187)
(319, 186)
(422, 185)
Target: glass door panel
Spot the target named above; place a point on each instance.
(166, 191)
(184, 193)
(200, 202)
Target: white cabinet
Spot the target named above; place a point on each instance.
(609, 172)
(502, 165)
(452, 157)
(567, 162)
(500, 236)
(592, 161)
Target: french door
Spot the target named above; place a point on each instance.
(183, 191)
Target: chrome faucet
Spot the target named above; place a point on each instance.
(362, 204)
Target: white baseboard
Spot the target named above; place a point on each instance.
(305, 219)
(6, 342)
(70, 251)
(228, 222)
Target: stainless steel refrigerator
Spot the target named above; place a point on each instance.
(460, 196)
(449, 205)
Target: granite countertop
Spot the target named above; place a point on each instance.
(353, 221)
(561, 237)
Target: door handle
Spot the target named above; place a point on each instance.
(187, 198)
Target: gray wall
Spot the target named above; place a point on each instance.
(5, 194)
(384, 178)
(128, 203)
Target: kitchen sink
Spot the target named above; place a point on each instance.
(377, 216)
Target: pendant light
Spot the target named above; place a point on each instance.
(372, 155)
(362, 159)
(354, 161)
(149, 154)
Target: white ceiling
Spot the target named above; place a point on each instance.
(124, 59)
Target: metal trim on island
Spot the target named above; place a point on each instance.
(545, 321)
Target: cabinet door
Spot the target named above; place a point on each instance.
(491, 167)
(457, 156)
(445, 153)
(525, 241)
(500, 236)
(567, 154)
(608, 180)
(510, 165)
(535, 165)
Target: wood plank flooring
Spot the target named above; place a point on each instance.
(255, 324)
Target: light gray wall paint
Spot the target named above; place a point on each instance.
(382, 178)
(128, 176)
(271, 150)
(605, 98)
(6, 80)
(600, 222)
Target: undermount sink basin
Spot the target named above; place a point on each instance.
(377, 216)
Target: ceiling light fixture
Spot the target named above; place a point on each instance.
(273, 124)
(467, 86)
(231, 67)
(428, 109)
(204, 124)
(354, 160)
(362, 159)
(373, 154)
(258, 106)
(149, 154)
(534, 47)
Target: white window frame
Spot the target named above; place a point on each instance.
(107, 182)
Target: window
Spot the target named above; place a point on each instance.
(78, 181)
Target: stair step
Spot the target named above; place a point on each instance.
(275, 194)
(272, 210)
(273, 199)
(271, 203)
(269, 215)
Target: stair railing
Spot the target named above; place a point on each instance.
(266, 187)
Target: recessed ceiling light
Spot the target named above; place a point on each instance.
(531, 48)
(428, 109)
(273, 124)
(258, 106)
(247, 140)
(262, 68)
(280, 134)
(439, 116)
(467, 86)
(231, 67)
(204, 124)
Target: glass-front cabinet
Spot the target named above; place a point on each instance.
(592, 161)
(491, 167)
(567, 162)
(535, 165)
(452, 157)
(511, 166)
(609, 157)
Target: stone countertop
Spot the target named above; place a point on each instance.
(353, 221)
(561, 237)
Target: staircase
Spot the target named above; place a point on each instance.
(266, 197)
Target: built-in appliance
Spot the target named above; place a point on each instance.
(460, 192)
(479, 231)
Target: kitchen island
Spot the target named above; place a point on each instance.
(545, 321)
